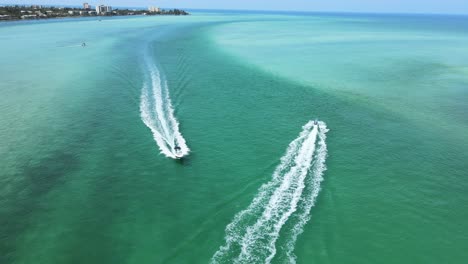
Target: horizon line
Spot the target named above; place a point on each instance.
(266, 10)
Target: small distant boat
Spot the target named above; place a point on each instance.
(316, 121)
(177, 151)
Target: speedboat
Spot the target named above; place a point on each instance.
(177, 152)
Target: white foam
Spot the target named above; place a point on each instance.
(310, 198)
(157, 113)
(252, 235)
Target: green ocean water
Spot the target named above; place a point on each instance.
(82, 179)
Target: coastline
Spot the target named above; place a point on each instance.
(39, 12)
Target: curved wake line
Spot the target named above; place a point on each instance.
(157, 113)
(289, 197)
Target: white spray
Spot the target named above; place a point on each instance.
(158, 114)
(252, 235)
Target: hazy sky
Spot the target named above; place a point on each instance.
(411, 6)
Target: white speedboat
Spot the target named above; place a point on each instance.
(178, 152)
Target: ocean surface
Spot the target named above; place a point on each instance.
(90, 136)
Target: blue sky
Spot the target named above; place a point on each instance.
(386, 6)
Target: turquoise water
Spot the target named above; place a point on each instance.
(83, 179)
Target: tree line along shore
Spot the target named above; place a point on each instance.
(18, 12)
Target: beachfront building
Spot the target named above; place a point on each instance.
(102, 9)
(86, 6)
(154, 9)
(28, 16)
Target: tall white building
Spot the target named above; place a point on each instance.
(154, 9)
(102, 9)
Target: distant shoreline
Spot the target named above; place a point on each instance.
(40, 12)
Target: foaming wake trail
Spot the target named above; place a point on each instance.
(157, 113)
(253, 234)
(308, 202)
